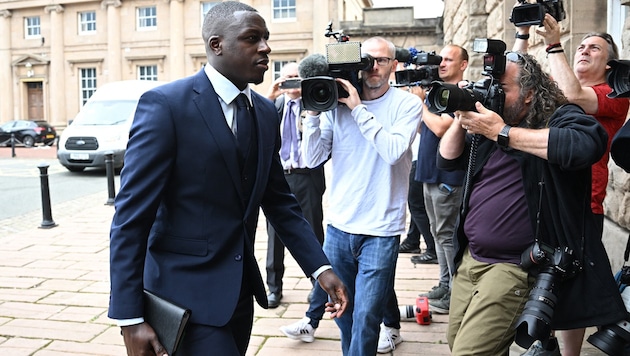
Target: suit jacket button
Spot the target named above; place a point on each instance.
(238, 257)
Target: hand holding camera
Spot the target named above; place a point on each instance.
(551, 34)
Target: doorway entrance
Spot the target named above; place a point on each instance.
(35, 97)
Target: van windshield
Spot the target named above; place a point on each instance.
(113, 112)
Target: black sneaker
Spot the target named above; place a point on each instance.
(441, 306)
(409, 247)
(424, 258)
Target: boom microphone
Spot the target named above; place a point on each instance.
(314, 65)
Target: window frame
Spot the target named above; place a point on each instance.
(147, 76)
(276, 67)
(87, 84)
(82, 22)
(30, 27)
(284, 8)
(142, 18)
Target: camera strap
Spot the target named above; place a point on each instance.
(626, 253)
(472, 157)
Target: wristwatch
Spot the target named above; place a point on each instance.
(504, 136)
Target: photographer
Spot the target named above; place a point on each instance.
(368, 140)
(585, 86)
(442, 189)
(529, 182)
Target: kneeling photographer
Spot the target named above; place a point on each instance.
(527, 188)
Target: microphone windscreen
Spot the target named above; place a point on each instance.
(402, 55)
(314, 65)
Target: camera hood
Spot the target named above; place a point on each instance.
(618, 78)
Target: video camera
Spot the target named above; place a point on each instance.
(320, 91)
(427, 67)
(447, 98)
(618, 78)
(533, 14)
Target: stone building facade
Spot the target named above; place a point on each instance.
(465, 20)
(54, 54)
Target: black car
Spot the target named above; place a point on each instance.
(27, 132)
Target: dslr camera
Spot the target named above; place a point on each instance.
(447, 98)
(320, 91)
(426, 71)
(554, 265)
(533, 14)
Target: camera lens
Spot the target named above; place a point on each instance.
(450, 98)
(535, 321)
(442, 97)
(321, 93)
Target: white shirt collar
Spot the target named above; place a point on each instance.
(225, 89)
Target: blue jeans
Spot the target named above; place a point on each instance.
(366, 265)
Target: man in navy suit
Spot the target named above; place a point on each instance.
(187, 210)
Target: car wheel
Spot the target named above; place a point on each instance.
(28, 141)
(75, 169)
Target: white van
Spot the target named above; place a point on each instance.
(102, 125)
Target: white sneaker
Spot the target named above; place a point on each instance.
(388, 338)
(300, 330)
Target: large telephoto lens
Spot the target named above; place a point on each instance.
(535, 321)
(447, 98)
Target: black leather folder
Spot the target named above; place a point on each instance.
(167, 319)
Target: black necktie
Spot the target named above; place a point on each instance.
(243, 124)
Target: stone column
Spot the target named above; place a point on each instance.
(56, 80)
(6, 75)
(114, 56)
(176, 57)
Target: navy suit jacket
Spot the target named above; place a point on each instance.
(181, 228)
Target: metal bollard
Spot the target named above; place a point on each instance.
(47, 221)
(109, 169)
(12, 144)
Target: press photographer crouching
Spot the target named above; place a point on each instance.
(528, 182)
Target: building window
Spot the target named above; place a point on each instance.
(205, 6)
(87, 85)
(147, 18)
(32, 27)
(87, 22)
(147, 72)
(284, 9)
(277, 66)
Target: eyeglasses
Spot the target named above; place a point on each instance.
(514, 57)
(382, 61)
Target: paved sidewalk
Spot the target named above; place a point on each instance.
(54, 286)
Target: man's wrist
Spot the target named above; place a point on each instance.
(129, 322)
(521, 36)
(321, 270)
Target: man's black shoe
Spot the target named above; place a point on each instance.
(273, 300)
(408, 247)
(424, 258)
